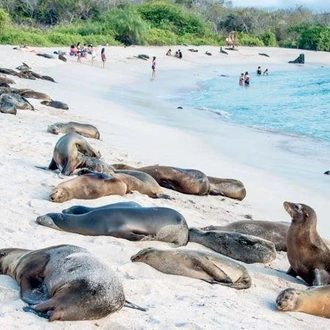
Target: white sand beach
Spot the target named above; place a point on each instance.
(139, 126)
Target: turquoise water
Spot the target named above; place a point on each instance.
(289, 102)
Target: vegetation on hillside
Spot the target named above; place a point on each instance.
(158, 22)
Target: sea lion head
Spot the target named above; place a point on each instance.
(287, 300)
(9, 259)
(59, 195)
(143, 255)
(54, 129)
(47, 220)
(300, 213)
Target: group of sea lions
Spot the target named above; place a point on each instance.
(12, 99)
(66, 282)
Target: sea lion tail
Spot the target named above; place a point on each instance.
(134, 306)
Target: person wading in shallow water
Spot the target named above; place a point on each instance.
(153, 67)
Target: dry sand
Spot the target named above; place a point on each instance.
(131, 136)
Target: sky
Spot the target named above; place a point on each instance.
(315, 5)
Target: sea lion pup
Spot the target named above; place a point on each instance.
(327, 172)
(273, 231)
(64, 282)
(308, 255)
(55, 104)
(86, 130)
(227, 187)
(80, 209)
(246, 248)
(207, 266)
(141, 182)
(187, 181)
(69, 151)
(313, 301)
(132, 223)
(19, 101)
(88, 186)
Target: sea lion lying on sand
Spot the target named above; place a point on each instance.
(64, 282)
(132, 223)
(227, 187)
(187, 181)
(88, 186)
(86, 130)
(246, 248)
(207, 266)
(55, 104)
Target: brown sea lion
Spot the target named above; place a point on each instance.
(6, 80)
(315, 301)
(64, 282)
(55, 104)
(141, 182)
(207, 266)
(131, 223)
(227, 187)
(31, 94)
(273, 231)
(308, 255)
(187, 181)
(246, 248)
(86, 130)
(69, 151)
(88, 186)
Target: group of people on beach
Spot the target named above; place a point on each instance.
(244, 78)
(177, 54)
(84, 51)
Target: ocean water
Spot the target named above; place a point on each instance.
(287, 102)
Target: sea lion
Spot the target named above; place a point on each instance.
(93, 164)
(141, 182)
(132, 223)
(64, 282)
(327, 172)
(207, 266)
(80, 209)
(8, 107)
(55, 104)
(86, 130)
(273, 231)
(308, 255)
(88, 186)
(6, 80)
(313, 301)
(31, 94)
(246, 248)
(187, 181)
(227, 187)
(19, 101)
(69, 151)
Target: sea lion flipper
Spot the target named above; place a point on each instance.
(292, 272)
(52, 166)
(321, 277)
(30, 309)
(134, 306)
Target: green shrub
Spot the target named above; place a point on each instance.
(160, 37)
(249, 40)
(19, 37)
(5, 20)
(269, 39)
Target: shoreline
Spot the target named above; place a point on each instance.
(129, 136)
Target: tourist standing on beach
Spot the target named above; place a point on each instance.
(153, 67)
(103, 57)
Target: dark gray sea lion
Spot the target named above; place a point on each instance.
(80, 209)
(86, 130)
(308, 255)
(69, 153)
(327, 172)
(135, 224)
(19, 101)
(207, 266)
(45, 55)
(313, 301)
(88, 186)
(55, 104)
(141, 182)
(64, 282)
(227, 187)
(187, 181)
(246, 248)
(8, 107)
(62, 58)
(273, 231)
